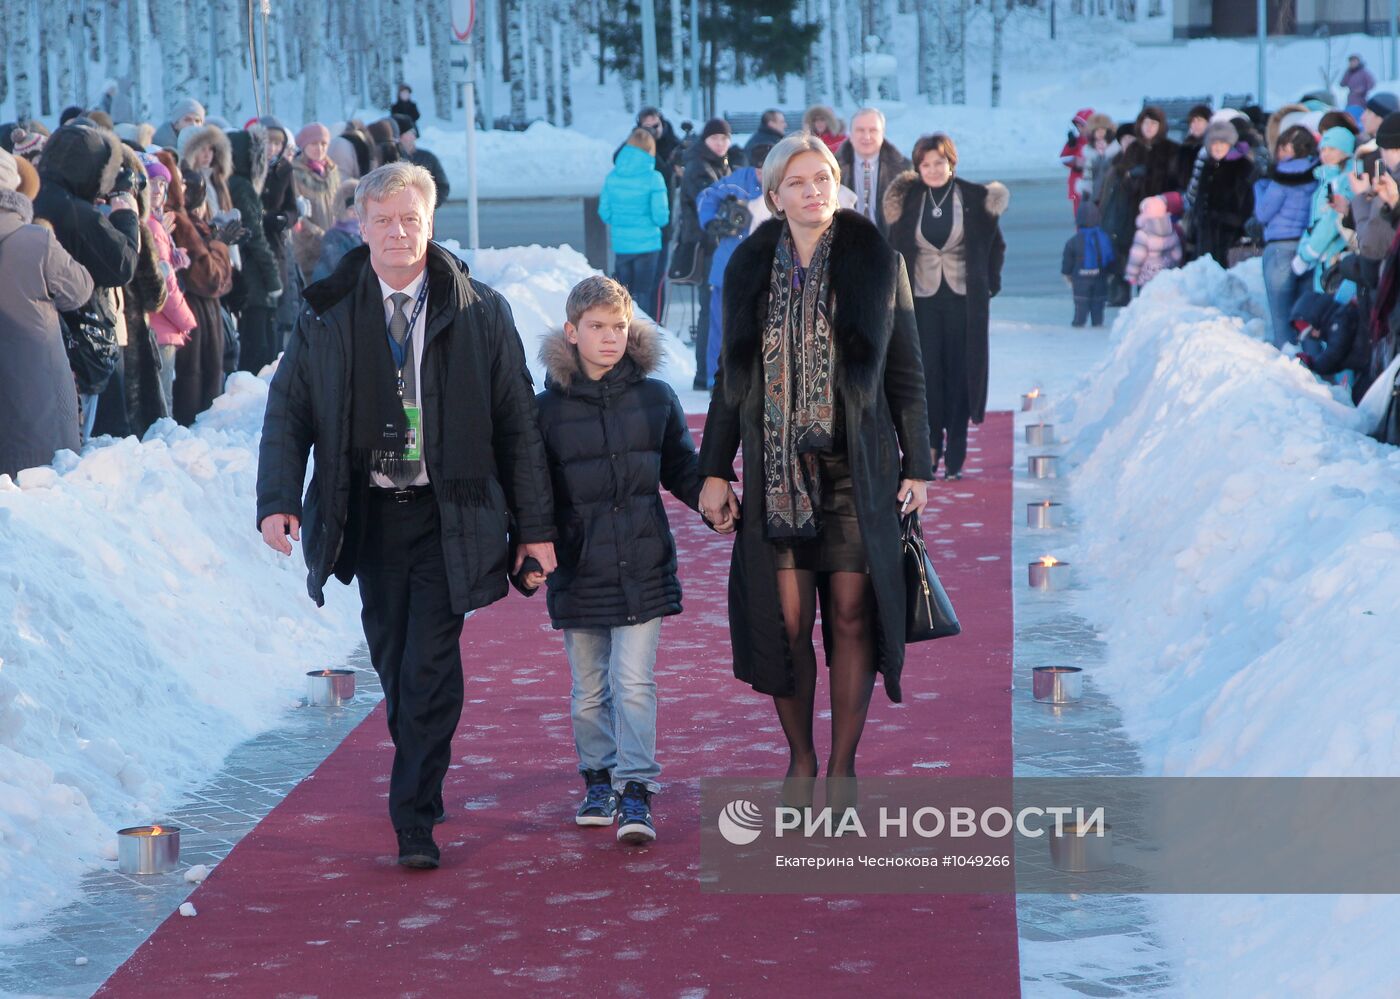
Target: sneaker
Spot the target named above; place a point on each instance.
(635, 826)
(599, 805)
(417, 849)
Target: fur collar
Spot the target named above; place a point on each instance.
(14, 203)
(864, 279)
(561, 361)
(994, 196)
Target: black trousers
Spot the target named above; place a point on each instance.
(942, 320)
(257, 337)
(413, 641)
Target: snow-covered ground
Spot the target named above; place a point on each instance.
(1240, 553)
(148, 630)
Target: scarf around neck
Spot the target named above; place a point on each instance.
(378, 427)
(799, 378)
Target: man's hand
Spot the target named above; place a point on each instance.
(542, 552)
(1387, 190)
(1360, 183)
(719, 505)
(1340, 204)
(277, 527)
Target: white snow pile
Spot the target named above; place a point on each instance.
(1240, 544)
(146, 628)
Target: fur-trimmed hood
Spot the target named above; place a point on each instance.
(14, 203)
(249, 155)
(563, 367)
(996, 196)
(82, 159)
(1099, 120)
(192, 140)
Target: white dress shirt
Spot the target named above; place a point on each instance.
(416, 335)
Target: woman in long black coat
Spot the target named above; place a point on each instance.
(821, 382)
(947, 231)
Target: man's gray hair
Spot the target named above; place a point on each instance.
(869, 110)
(388, 180)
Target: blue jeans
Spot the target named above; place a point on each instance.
(613, 700)
(716, 341)
(1281, 288)
(637, 273)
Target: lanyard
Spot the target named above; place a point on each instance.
(400, 350)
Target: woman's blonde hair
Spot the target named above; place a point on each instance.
(643, 140)
(776, 165)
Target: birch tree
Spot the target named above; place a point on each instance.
(229, 60)
(566, 90)
(817, 71)
(998, 29)
(440, 52)
(549, 25)
(884, 29)
(136, 67)
(953, 29)
(677, 53)
(931, 80)
(515, 59)
(4, 58)
(21, 56)
(313, 19)
(111, 32)
(532, 48)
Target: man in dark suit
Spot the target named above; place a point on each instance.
(409, 379)
(869, 163)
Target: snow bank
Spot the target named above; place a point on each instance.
(541, 162)
(1240, 550)
(148, 630)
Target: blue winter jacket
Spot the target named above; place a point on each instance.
(744, 185)
(1283, 199)
(633, 202)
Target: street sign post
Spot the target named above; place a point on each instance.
(464, 72)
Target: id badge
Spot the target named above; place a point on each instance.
(413, 416)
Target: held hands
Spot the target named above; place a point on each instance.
(277, 527)
(719, 506)
(543, 553)
(912, 496)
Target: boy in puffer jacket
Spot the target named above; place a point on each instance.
(1324, 240)
(1085, 265)
(1157, 244)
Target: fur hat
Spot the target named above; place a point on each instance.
(1099, 120)
(1222, 131)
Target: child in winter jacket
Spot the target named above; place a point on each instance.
(173, 323)
(613, 437)
(1157, 244)
(1072, 154)
(1087, 258)
(1324, 240)
(635, 206)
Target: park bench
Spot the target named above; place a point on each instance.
(1176, 109)
(747, 122)
(1237, 101)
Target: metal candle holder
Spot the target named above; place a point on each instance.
(1048, 576)
(1032, 400)
(1043, 466)
(1057, 684)
(1045, 514)
(330, 688)
(1040, 434)
(1080, 848)
(148, 849)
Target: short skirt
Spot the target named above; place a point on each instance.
(838, 547)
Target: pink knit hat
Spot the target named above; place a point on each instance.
(314, 132)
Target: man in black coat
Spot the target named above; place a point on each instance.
(408, 140)
(706, 162)
(869, 164)
(409, 380)
(770, 132)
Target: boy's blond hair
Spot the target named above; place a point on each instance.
(597, 292)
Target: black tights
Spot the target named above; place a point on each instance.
(848, 610)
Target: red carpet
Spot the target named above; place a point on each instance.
(311, 903)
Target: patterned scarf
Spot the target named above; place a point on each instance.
(799, 388)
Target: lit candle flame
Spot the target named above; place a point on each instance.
(1048, 560)
(1033, 393)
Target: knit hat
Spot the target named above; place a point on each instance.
(715, 126)
(9, 173)
(313, 132)
(1382, 104)
(186, 106)
(1388, 135)
(1222, 131)
(26, 143)
(155, 169)
(1338, 137)
(1126, 130)
(1199, 111)
(1088, 215)
(1082, 116)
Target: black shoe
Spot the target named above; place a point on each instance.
(952, 476)
(599, 805)
(417, 849)
(635, 827)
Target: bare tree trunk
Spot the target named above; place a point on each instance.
(549, 28)
(440, 53)
(814, 76)
(21, 54)
(313, 13)
(515, 59)
(230, 60)
(930, 79)
(855, 35)
(45, 15)
(884, 27)
(677, 53)
(954, 47)
(532, 48)
(110, 33)
(998, 29)
(835, 11)
(566, 88)
(136, 49)
(176, 58)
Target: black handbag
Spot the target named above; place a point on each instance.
(687, 263)
(930, 613)
(91, 343)
(1388, 431)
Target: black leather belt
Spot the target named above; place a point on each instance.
(402, 495)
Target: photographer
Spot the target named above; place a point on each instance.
(86, 197)
(728, 210)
